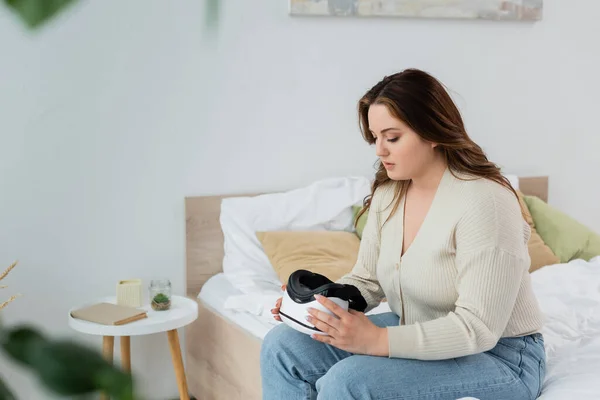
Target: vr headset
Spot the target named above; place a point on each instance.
(300, 294)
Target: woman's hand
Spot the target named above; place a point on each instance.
(275, 310)
(352, 331)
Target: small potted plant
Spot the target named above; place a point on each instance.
(161, 302)
(160, 294)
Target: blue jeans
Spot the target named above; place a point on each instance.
(295, 366)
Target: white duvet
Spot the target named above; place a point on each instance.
(569, 295)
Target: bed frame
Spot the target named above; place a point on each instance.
(222, 359)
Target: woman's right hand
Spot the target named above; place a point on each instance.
(275, 310)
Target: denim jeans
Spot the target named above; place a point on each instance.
(295, 366)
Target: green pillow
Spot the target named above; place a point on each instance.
(360, 226)
(566, 237)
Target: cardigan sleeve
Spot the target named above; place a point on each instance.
(491, 258)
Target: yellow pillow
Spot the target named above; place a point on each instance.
(541, 255)
(329, 253)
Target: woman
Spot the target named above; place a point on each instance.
(445, 243)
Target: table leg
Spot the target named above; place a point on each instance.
(126, 353)
(108, 343)
(178, 364)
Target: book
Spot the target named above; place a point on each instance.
(109, 314)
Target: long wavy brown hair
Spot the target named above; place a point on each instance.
(421, 101)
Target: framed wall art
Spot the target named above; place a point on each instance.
(526, 10)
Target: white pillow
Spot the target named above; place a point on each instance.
(323, 205)
(513, 179)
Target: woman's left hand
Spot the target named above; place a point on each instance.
(351, 331)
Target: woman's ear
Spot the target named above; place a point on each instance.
(433, 145)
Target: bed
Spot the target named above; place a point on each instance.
(222, 346)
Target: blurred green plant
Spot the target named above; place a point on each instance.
(62, 366)
(35, 13)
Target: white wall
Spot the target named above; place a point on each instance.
(118, 110)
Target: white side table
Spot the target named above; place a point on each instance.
(183, 311)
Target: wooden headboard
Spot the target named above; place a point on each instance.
(204, 238)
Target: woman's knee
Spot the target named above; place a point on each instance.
(342, 381)
(273, 341)
(281, 342)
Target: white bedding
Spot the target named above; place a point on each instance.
(569, 295)
(218, 290)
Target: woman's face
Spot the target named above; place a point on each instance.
(402, 151)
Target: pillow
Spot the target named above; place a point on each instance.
(541, 255)
(323, 205)
(329, 253)
(360, 225)
(513, 179)
(568, 238)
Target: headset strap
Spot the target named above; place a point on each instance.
(355, 298)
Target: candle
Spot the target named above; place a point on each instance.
(129, 292)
